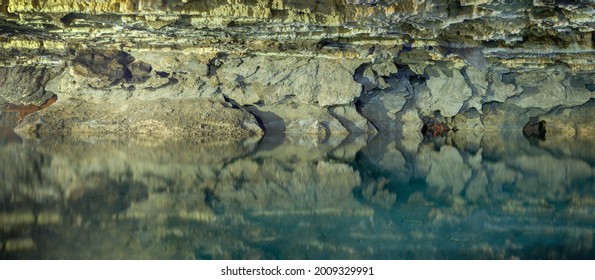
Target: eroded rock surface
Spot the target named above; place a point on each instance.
(158, 119)
(476, 63)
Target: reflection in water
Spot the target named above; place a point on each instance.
(381, 198)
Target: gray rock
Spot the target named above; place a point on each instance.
(274, 80)
(374, 75)
(549, 89)
(501, 87)
(446, 92)
(352, 120)
(300, 120)
(382, 109)
(478, 82)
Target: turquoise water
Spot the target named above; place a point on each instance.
(384, 197)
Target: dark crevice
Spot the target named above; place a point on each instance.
(359, 104)
(209, 198)
(234, 104)
(130, 88)
(335, 44)
(68, 19)
(286, 98)
(250, 109)
(534, 130)
(127, 74)
(162, 74)
(471, 85)
(124, 58)
(273, 127)
(258, 120)
(358, 76)
(215, 63)
(509, 78)
(346, 123)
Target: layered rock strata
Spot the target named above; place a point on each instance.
(323, 68)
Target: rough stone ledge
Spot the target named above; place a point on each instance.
(155, 119)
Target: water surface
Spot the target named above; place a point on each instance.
(384, 197)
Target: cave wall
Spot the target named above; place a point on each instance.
(238, 68)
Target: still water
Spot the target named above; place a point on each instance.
(385, 197)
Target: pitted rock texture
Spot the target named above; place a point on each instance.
(26, 84)
(144, 120)
(322, 68)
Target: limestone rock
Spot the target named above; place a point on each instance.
(549, 89)
(114, 77)
(392, 60)
(575, 122)
(478, 83)
(103, 68)
(352, 120)
(161, 118)
(382, 109)
(284, 80)
(312, 120)
(447, 92)
(410, 121)
(26, 84)
(374, 75)
(502, 87)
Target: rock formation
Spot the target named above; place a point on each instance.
(323, 68)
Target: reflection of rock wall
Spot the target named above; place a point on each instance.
(498, 170)
(73, 186)
(109, 199)
(280, 187)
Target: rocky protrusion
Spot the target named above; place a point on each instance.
(154, 119)
(25, 85)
